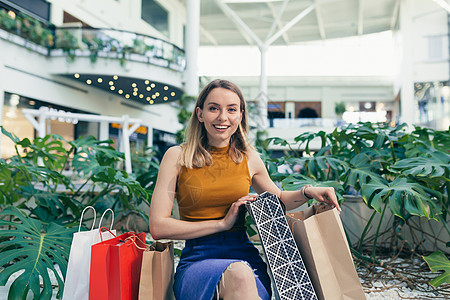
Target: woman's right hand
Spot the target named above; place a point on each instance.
(232, 214)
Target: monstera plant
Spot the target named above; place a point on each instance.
(40, 205)
(390, 168)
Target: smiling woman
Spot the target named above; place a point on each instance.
(210, 177)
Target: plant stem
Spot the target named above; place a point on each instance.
(391, 143)
(361, 239)
(378, 228)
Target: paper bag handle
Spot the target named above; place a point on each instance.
(133, 239)
(112, 218)
(82, 214)
(100, 230)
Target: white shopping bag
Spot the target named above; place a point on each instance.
(76, 285)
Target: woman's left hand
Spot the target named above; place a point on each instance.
(323, 194)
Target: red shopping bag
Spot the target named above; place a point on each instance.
(116, 267)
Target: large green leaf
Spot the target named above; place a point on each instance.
(405, 196)
(34, 248)
(436, 164)
(362, 170)
(437, 261)
(324, 167)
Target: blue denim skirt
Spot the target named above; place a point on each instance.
(203, 261)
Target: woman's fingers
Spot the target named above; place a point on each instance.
(328, 196)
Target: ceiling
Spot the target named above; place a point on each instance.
(310, 19)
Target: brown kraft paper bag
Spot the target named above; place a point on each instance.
(157, 272)
(320, 238)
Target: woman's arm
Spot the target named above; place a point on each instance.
(261, 182)
(162, 225)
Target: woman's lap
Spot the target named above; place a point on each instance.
(204, 260)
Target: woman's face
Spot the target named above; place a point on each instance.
(221, 116)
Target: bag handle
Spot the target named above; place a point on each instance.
(112, 218)
(133, 239)
(100, 230)
(82, 214)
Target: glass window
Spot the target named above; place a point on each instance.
(156, 15)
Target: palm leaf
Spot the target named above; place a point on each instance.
(33, 248)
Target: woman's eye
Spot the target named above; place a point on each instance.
(232, 109)
(212, 108)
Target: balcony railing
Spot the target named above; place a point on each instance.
(90, 42)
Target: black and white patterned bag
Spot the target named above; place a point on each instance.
(289, 275)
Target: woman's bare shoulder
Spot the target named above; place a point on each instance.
(253, 155)
(173, 154)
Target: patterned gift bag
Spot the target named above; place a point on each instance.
(288, 273)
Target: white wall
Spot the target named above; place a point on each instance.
(429, 19)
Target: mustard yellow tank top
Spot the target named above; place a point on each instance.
(207, 193)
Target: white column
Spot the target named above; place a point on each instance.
(289, 108)
(2, 103)
(126, 143)
(407, 105)
(263, 91)
(149, 136)
(42, 122)
(104, 131)
(191, 47)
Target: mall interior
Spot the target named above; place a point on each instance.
(82, 67)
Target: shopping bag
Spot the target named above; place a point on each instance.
(157, 272)
(76, 284)
(116, 267)
(287, 271)
(320, 237)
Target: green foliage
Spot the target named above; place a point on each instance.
(184, 114)
(339, 108)
(39, 193)
(34, 247)
(390, 168)
(437, 261)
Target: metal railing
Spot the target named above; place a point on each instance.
(124, 45)
(121, 44)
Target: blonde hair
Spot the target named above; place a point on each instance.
(195, 148)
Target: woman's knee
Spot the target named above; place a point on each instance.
(239, 273)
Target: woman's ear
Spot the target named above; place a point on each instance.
(199, 113)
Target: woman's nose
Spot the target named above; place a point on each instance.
(222, 115)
